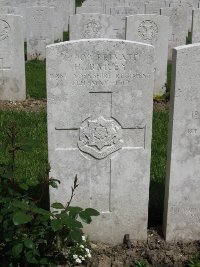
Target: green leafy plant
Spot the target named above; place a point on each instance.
(195, 261)
(142, 263)
(29, 234)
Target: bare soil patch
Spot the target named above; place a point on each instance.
(35, 105)
(27, 105)
(156, 251)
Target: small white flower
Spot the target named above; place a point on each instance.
(75, 256)
(87, 250)
(82, 258)
(78, 260)
(89, 255)
(83, 238)
(81, 246)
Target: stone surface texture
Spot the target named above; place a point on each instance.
(182, 198)
(100, 95)
(40, 31)
(195, 26)
(87, 26)
(177, 27)
(152, 29)
(12, 62)
(89, 9)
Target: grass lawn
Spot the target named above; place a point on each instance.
(32, 130)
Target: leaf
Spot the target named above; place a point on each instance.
(21, 218)
(92, 212)
(76, 236)
(85, 217)
(74, 211)
(28, 243)
(23, 186)
(17, 249)
(30, 258)
(70, 222)
(56, 225)
(44, 261)
(57, 206)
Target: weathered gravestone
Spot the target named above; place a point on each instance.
(12, 66)
(87, 26)
(153, 8)
(152, 29)
(90, 9)
(40, 31)
(195, 26)
(22, 5)
(177, 27)
(10, 10)
(69, 8)
(99, 128)
(122, 12)
(58, 18)
(189, 9)
(182, 199)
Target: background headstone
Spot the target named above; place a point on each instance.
(195, 26)
(40, 31)
(182, 198)
(100, 95)
(90, 9)
(152, 29)
(12, 63)
(177, 27)
(87, 26)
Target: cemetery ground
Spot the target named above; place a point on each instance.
(31, 120)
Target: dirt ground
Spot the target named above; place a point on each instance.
(27, 105)
(40, 105)
(156, 251)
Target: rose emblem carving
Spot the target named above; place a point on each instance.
(91, 29)
(148, 30)
(100, 137)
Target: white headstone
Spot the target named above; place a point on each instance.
(195, 26)
(87, 26)
(153, 8)
(12, 63)
(89, 9)
(40, 31)
(58, 18)
(122, 12)
(152, 29)
(189, 9)
(100, 94)
(22, 5)
(68, 9)
(177, 27)
(182, 198)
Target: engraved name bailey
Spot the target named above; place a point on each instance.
(104, 69)
(100, 137)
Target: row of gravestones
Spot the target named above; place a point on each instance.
(148, 28)
(100, 102)
(39, 25)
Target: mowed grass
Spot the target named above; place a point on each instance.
(36, 79)
(32, 130)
